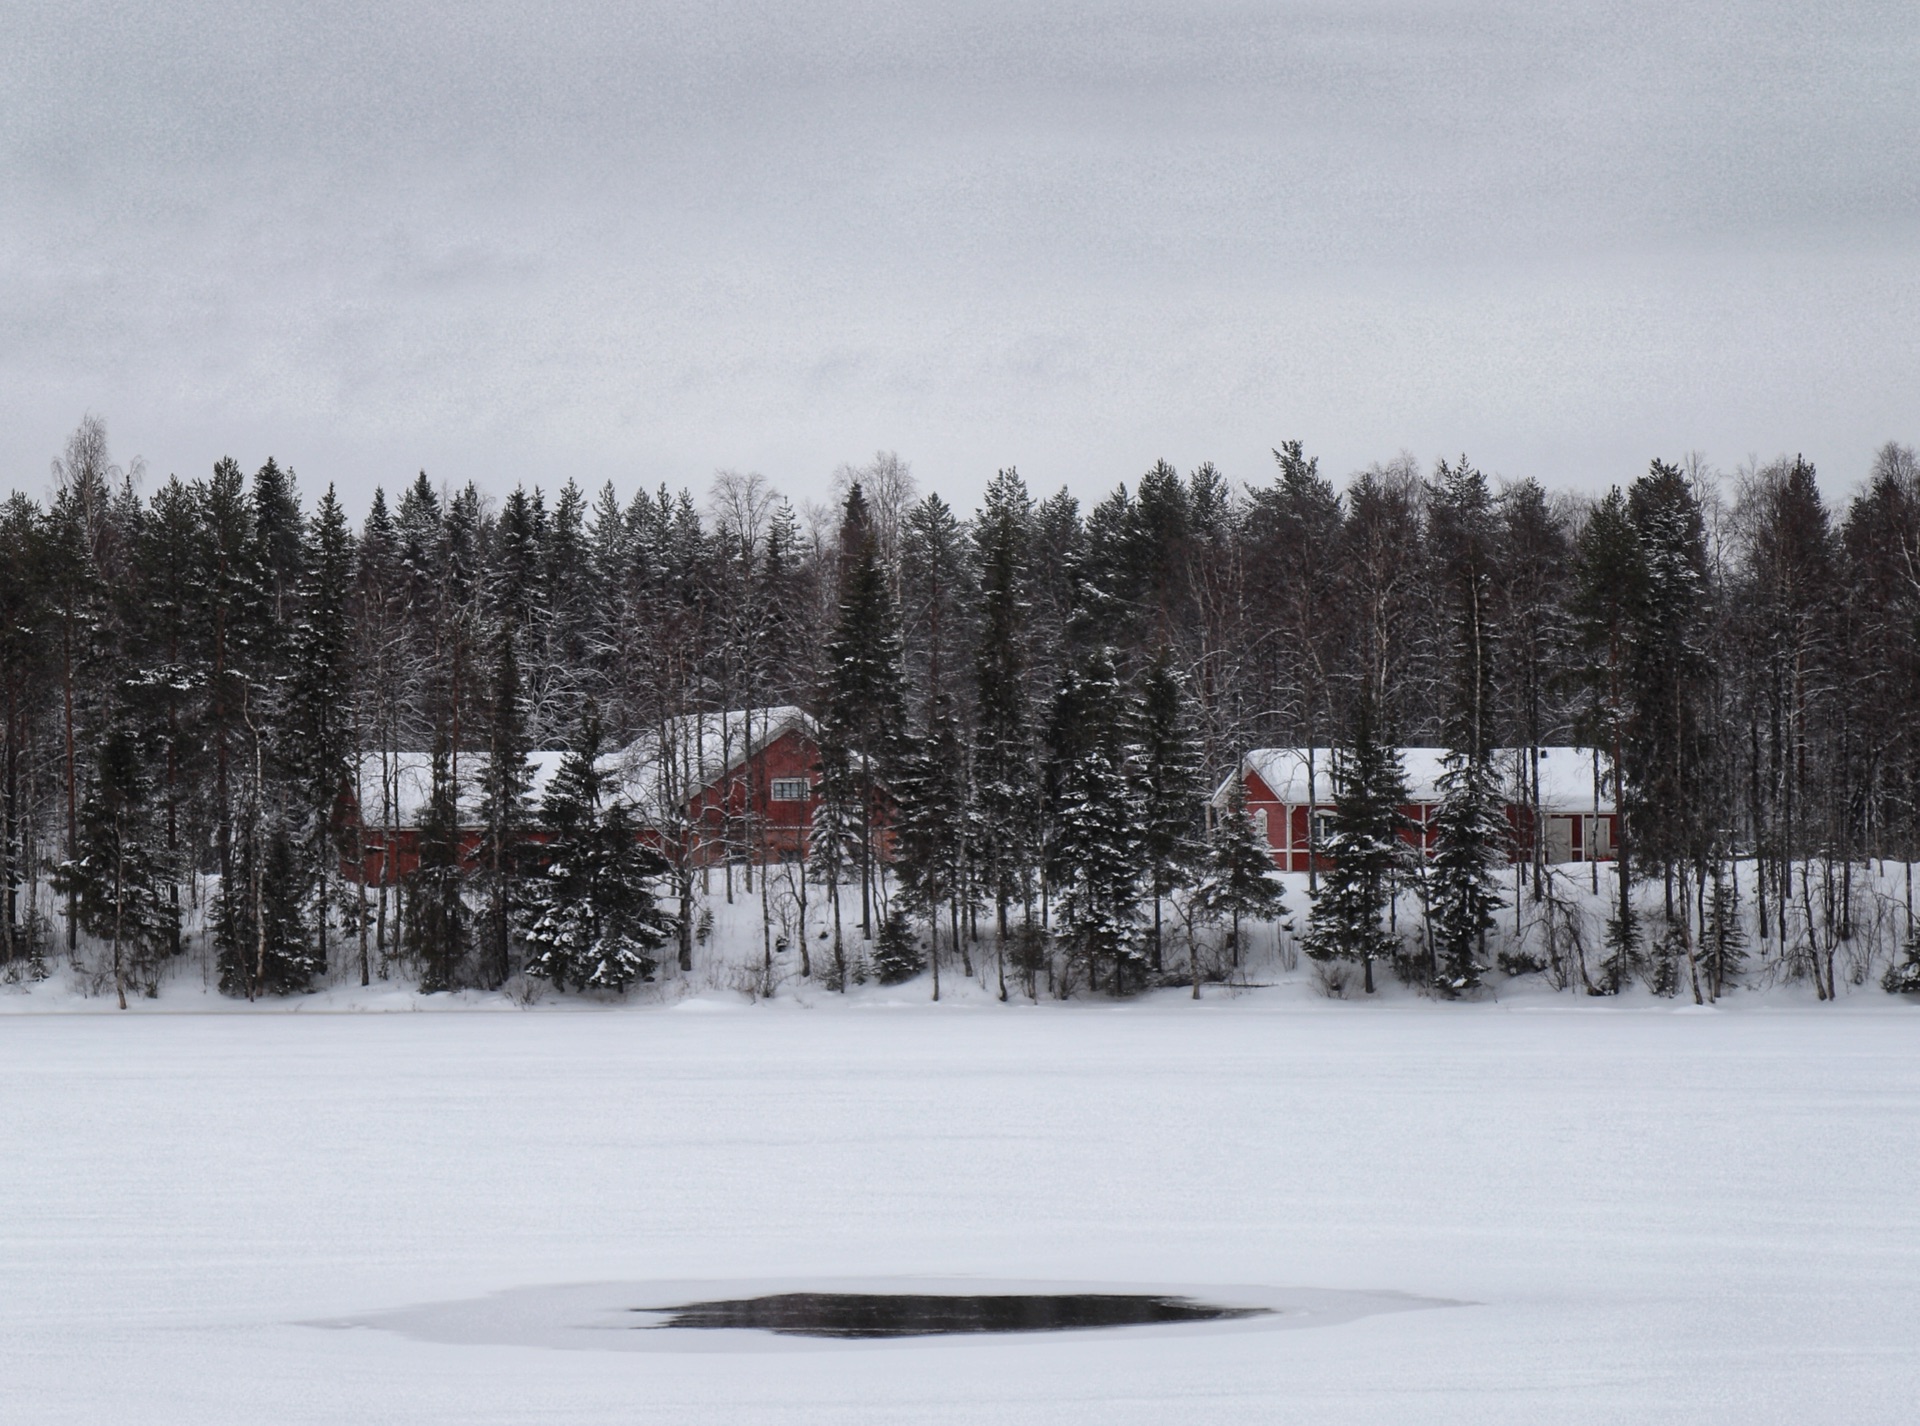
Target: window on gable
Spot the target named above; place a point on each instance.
(790, 789)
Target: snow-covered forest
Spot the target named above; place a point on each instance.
(1022, 713)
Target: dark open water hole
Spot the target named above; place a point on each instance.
(906, 1314)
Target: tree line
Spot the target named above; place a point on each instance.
(1022, 714)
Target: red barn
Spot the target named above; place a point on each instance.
(705, 787)
(1284, 786)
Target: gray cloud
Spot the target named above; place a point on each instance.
(637, 242)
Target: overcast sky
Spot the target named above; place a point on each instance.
(639, 242)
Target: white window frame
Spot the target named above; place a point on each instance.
(782, 789)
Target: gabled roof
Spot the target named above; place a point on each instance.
(1566, 776)
(655, 774)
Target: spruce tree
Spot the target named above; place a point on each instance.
(930, 834)
(77, 592)
(895, 956)
(1470, 836)
(25, 650)
(1609, 587)
(1364, 845)
(1098, 850)
(1723, 939)
(317, 745)
(167, 653)
(1668, 742)
(1471, 832)
(1005, 780)
(1903, 976)
(931, 784)
(437, 912)
(833, 835)
(288, 961)
(1239, 881)
(1172, 796)
(117, 882)
(590, 919)
(864, 714)
(263, 929)
(506, 784)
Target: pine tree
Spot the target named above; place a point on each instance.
(1609, 586)
(627, 922)
(317, 725)
(895, 956)
(1471, 832)
(1723, 940)
(1667, 744)
(1005, 782)
(117, 884)
(514, 600)
(1294, 541)
(25, 647)
(235, 624)
(1239, 883)
(1903, 976)
(1530, 597)
(76, 536)
(1364, 845)
(1098, 848)
(262, 929)
(437, 911)
(930, 834)
(931, 785)
(864, 715)
(833, 836)
(506, 784)
(166, 650)
(278, 532)
(590, 918)
(289, 962)
(1171, 792)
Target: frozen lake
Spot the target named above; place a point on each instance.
(1658, 1216)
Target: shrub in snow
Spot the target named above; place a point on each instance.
(896, 956)
(1903, 977)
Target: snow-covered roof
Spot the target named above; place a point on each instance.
(1566, 775)
(412, 784)
(657, 772)
(663, 768)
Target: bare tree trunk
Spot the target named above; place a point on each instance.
(259, 889)
(73, 806)
(1686, 938)
(839, 947)
(119, 903)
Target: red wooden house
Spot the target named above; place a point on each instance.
(1286, 786)
(703, 788)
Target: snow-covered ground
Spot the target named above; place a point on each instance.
(738, 934)
(1659, 1214)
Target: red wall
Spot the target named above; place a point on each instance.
(1261, 798)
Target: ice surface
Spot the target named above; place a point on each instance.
(1661, 1217)
(607, 1316)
